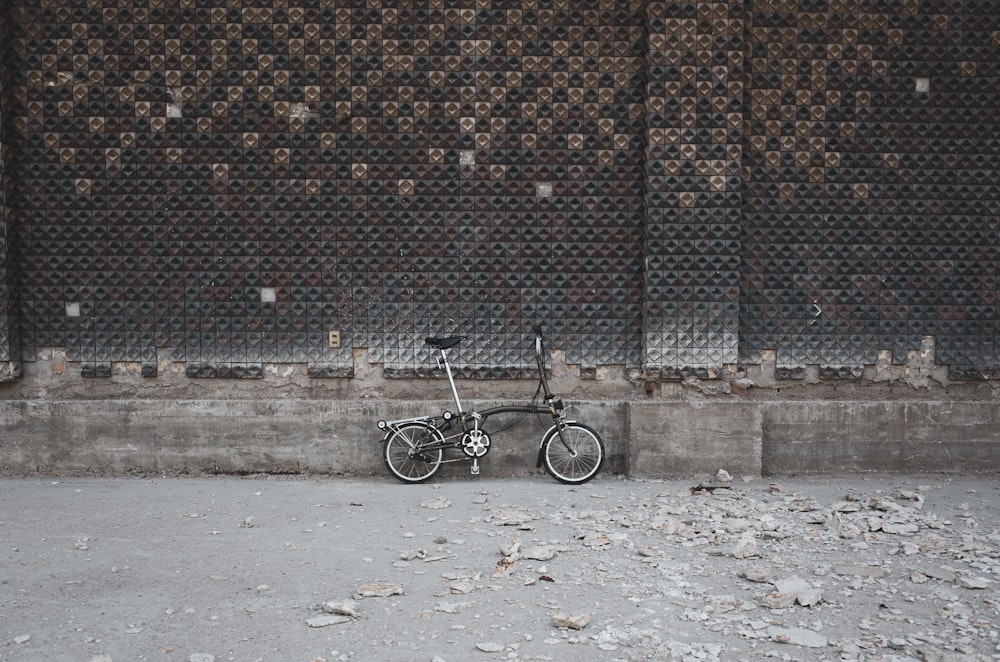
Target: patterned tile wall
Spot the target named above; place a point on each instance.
(873, 180)
(693, 157)
(388, 171)
(9, 357)
(667, 184)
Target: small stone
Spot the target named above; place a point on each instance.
(790, 591)
(943, 573)
(758, 574)
(571, 621)
(440, 540)
(436, 504)
(809, 597)
(504, 567)
(797, 637)
(490, 647)
(451, 607)
(539, 553)
(341, 607)
(461, 587)
(900, 529)
(410, 554)
(745, 547)
(509, 517)
(778, 600)
(974, 582)
(846, 529)
(512, 548)
(23, 639)
(201, 657)
(723, 476)
(897, 643)
(324, 621)
(380, 590)
(596, 540)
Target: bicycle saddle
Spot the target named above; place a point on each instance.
(444, 343)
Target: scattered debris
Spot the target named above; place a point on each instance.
(841, 569)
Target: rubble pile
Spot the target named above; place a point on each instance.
(867, 569)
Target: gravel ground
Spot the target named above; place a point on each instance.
(323, 569)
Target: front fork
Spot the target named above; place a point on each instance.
(559, 423)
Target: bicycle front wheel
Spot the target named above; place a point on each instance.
(577, 460)
(404, 454)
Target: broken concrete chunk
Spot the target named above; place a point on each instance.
(746, 547)
(758, 574)
(461, 586)
(571, 621)
(969, 581)
(326, 620)
(341, 607)
(797, 637)
(380, 590)
(539, 553)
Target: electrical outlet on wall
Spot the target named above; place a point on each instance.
(333, 339)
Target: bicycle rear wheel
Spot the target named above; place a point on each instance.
(403, 457)
(576, 461)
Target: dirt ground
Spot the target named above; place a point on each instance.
(485, 568)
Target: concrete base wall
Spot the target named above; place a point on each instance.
(645, 439)
(900, 436)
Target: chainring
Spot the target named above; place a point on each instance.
(476, 443)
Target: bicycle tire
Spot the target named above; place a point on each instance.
(400, 459)
(565, 467)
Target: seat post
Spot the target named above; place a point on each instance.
(451, 380)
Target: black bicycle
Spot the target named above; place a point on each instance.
(414, 448)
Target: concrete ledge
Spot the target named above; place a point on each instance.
(645, 439)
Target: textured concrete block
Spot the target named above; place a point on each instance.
(898, 436)
(670, 439)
